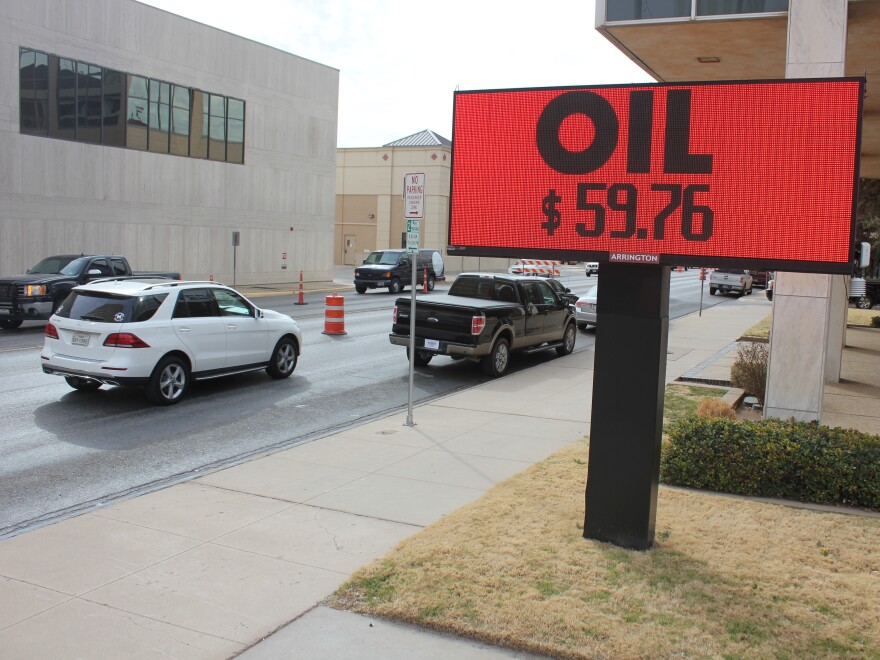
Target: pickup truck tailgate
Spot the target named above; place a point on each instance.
(434, 320)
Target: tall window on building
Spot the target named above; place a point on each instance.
(160, 116)
(62, 113)
(137, 113)
(112, 108)
(33, 94)
(180, 120)
(89, 81)
(217, 128)
(235, 131)
(198, 134)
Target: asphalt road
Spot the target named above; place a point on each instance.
(64, 451)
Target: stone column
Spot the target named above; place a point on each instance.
(809, 310)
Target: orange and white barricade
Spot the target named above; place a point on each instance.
(542, 267)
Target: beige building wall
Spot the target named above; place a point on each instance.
(369, 204)
(163, 211)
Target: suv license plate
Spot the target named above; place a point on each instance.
(432, 344)
(80, 340)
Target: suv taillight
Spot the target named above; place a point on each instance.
(125, 340)
(51, 331)
(394, 315)
(477, 324)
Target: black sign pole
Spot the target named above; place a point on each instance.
(629, 379)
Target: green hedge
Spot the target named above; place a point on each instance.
(774, 458)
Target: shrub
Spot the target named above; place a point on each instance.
(715, 408)
(774, 458)
(875, 321)
(749, 371)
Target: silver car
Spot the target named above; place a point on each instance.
(585, 309)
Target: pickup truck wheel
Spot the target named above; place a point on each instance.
(422, 358)
(712, 290)
(169, 381)
(360, 288)
(8, 324)
(431, 282)
(82, 384)
(865, 302)
(568, 339)
(495, 364)
(395, 286)
(283, 360)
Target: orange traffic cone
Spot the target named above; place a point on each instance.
(334, 315)
(299, 300)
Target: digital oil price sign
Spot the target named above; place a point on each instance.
(749, 174)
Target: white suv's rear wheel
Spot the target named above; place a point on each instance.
(169, 381)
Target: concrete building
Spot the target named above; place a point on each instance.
(369, 200)
(131, 130)
(689, 40)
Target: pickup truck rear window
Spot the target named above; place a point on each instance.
(484, 288)
(109, 308)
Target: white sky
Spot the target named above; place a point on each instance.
(400, 61)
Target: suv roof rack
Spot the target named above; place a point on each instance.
(136, 278)
(182, 282)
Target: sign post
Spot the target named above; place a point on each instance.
(414, 211)
(236, 241)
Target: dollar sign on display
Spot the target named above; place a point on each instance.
(548, 207)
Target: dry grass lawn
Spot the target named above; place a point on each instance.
(761, 330)
(727, 577)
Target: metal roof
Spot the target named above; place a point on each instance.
(423, 139)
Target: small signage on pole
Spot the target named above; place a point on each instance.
(414, 195)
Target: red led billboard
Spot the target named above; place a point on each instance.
(754, 174)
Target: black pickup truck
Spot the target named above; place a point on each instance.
(35, 295)
(484, 317)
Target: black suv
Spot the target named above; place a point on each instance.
(392, 269)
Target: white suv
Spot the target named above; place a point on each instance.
(162, 334)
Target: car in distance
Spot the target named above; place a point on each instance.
(761, 277)
(730, 280)
(592, 268)
(562, 291)
(585, 308)
(392, 270)
(162, 335)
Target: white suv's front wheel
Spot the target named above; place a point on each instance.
(169, 381)
(283, 360)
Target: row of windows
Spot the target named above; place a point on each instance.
(636, 10)
(71, 100)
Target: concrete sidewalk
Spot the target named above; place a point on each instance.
(209, 568)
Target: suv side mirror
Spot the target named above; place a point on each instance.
(94, 271)
(404, 261)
